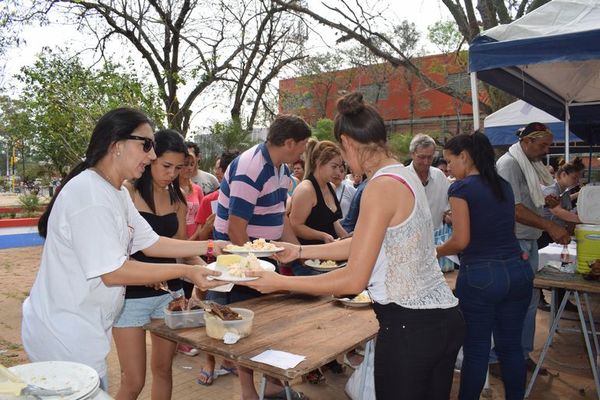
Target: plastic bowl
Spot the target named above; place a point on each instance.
(184, 319)
(216, 327)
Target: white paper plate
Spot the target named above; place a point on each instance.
(267, 266)
(349, 303)
(316, 265)
(258, 253)
(60, 375)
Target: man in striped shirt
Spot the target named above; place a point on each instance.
(254, 188)
(252, 205)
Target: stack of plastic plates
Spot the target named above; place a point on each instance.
(56, 375)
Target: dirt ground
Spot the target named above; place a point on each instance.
(570, 376)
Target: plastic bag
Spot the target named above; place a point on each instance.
(361, 384)
(439, 237)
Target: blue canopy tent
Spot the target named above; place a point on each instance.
(501, 126)
(551, 59)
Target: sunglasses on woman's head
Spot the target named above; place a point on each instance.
(148, 143)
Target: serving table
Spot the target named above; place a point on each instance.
(580, 288)
(318, 328)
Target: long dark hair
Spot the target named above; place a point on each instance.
(114, 126)
(480, 149)
(165, 140)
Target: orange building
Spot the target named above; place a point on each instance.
(405, 102)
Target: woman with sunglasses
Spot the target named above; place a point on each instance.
(91, 227)
(160, 201)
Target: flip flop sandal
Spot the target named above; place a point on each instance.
(315, 377)
(349, 364)
(226, 370)
(281, 396)
(209, 378)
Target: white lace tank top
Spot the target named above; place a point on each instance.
(406, 271)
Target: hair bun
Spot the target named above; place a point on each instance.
(351, 104)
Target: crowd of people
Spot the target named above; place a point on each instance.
(133, 221)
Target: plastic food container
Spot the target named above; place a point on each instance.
(184, 319)
(216, 327)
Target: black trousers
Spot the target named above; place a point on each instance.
(416, 351)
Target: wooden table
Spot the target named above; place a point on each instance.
(318, 328)
(579, 287)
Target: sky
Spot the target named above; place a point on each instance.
(422, 12)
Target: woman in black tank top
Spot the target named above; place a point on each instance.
(315, 210)
(160, 201)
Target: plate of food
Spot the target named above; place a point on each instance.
(361, 300)
(324, 266)
(258, 247)
(233, 267)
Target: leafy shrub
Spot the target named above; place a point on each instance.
(30, 203)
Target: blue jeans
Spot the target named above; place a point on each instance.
(493, 297)
(530, 248)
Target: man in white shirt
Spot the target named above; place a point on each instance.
(435, 183)
(207, 181)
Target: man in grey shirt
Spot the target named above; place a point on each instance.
(534, 142)
(207, 181)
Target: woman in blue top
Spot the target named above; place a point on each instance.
(494, 283)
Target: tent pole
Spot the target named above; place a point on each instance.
(567, 118)
(590, 162)
(475, 100)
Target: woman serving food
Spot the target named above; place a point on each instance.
(391, 254)
(91, 227)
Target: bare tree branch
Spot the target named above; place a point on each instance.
(366, 37)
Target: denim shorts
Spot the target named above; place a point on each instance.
(139, 312)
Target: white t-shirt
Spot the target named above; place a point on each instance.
(436, 191)
(207, 181)
(91, 231)
(345, 193)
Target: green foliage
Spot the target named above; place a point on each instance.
(30, 203)
(224, 136)
(230, 136)
(399, 143)
(64, 99)
(445, 36)
(323, 130)
(10, 215)
(406, 37)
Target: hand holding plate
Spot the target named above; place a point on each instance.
(290, 252)
(268, 282)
